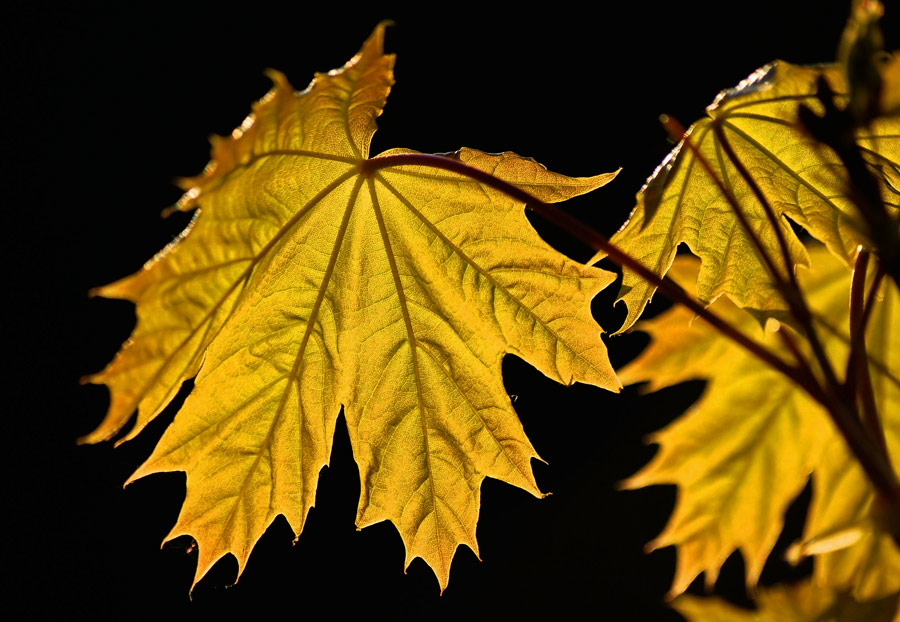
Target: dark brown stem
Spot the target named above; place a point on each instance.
(774, 222)
(857, 341)
(870, 408)
(858, 382)
(802, 365)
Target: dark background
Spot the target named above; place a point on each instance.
(104, 105)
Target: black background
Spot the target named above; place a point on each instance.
(104, 105)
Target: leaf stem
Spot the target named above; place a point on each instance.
(598, 242)
(802, 366)
(870, 298)
(858, 380)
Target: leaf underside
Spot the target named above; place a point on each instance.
(303, 286)
(801, 179)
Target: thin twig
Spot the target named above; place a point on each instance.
(857, 340)
(802, 365)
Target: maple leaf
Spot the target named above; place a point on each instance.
(801, 602)
(746, 449)
(309, 280)
(799, 177)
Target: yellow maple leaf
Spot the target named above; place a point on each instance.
(311, 280)
(799, 177)
(746, 449)
(801, 602)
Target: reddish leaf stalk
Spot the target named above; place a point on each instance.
(857, 345)
(858, 380)
(802, 366)
(877, 468)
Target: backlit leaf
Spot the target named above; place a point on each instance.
(842, 497)
(305, 285)
(746, 449)
(800, 178)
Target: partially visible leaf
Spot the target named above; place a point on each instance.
(746, 449)
(800, 179)
(801, 602)
(307, 284)
(842, 498)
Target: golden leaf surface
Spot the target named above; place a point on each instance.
(306, 284)
(746, 449)
(799, 178)
(801, 602)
